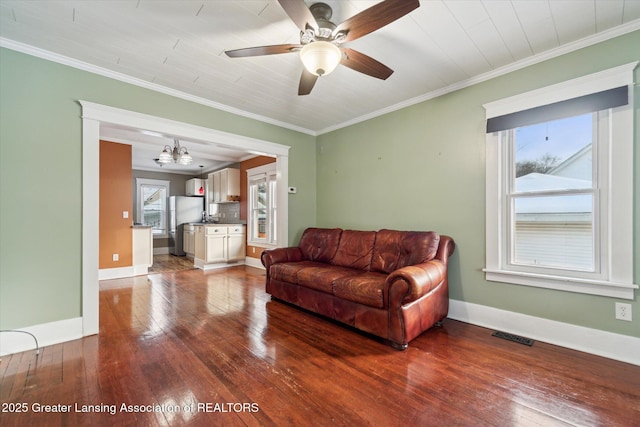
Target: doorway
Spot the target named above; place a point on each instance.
(93, 117)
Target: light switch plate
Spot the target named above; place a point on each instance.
(125, 214)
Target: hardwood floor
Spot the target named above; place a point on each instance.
(166, 263)
(210, 348)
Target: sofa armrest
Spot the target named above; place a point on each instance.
(278, 255)
(410, 283)
(445, 249)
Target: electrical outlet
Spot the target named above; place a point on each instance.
(116, 257)
(623, 311)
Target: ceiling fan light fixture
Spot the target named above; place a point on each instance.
(320, 58)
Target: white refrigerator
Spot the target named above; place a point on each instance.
(182, 210)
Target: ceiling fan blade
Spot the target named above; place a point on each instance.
(365, 64)
(263, 50)
(299, 14)
(375, 17)
(307, 81)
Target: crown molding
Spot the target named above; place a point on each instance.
(85, 66)
(518, 65)
(620, 30)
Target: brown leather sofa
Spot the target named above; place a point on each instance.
(392, 284)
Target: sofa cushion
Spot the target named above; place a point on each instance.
(364, 288)
(396, 249)
(319, 244)
(288, 271)
(322, 278)
(355, 249)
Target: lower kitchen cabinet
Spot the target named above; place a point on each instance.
(189, 240)
(218, 245)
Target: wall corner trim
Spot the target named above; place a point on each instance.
(619, 347)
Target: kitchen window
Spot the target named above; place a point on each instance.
(262, 206)
(152, 201)
(554, 158)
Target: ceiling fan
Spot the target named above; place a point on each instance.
(320, 39)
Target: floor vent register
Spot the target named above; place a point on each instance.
(514, 338)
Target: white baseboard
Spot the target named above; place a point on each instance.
(140, 270)
(115, 273)
(253, 262)
(606, 344)
(202, 265)
(47, 334)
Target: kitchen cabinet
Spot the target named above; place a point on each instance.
(195, 187)
(224, 185)
(236, 243)
(218, 245)
(215, 247)
(189, 240)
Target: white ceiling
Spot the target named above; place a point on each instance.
(177, 47)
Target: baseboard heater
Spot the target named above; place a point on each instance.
(514, 338)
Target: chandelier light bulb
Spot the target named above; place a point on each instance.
(320, 57)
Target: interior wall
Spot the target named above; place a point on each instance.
(41, 120)
(115, 198)
(423, 168)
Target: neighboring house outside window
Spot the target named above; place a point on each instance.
(554, 158)
(152, 202)
(262, 206)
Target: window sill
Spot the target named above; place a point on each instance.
(262, 245)
(568, 284)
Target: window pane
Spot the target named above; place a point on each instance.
(261, 201)
(154, 201)
(554, 231)
(554, 156)
(259, 228)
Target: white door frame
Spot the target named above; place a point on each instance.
(92, 117)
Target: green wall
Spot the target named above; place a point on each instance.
(41, 177)
(423, 168)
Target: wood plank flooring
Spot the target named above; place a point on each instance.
(167, 263)
(210, 348)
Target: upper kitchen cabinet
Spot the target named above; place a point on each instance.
(195, 187)
(224, 185)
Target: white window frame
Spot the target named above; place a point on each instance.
(614, 244)
(139, 203)
(269, 174)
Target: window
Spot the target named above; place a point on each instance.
(550, 200)
(152, 196)
(554, 157)
(262, 212)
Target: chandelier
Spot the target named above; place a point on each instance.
(177, 154)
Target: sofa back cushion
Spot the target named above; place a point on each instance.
(355, 249)
(397, 249)
(319, 244)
